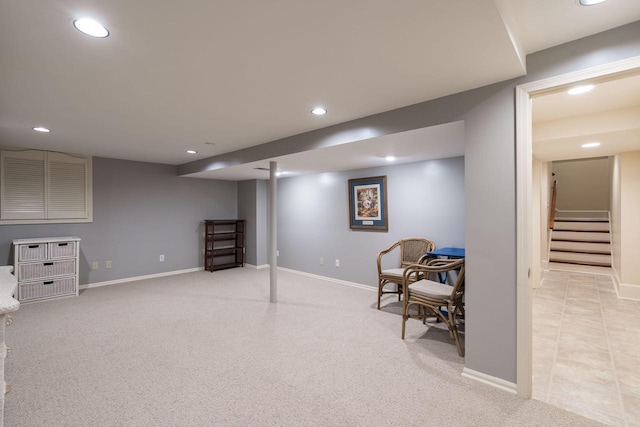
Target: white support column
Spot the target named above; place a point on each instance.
(273, 232)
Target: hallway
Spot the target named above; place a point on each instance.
(586, 343)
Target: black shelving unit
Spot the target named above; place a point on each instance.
(224, 243)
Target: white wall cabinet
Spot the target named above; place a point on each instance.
(41, 186)
(46, 268)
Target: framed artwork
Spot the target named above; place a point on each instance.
(368, 204)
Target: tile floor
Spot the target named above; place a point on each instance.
(586, 347)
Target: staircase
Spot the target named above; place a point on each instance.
(581, 241)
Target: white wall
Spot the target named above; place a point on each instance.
(630, 224)
(546, 194)
(616, 237)
(539, 228)
(583, 184)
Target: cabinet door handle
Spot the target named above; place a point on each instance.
(63, 244)
(33, 246)
(47, 263)
(48, 283)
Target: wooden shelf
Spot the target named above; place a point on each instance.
(224, 243)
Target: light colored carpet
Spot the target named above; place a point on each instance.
(205, 349)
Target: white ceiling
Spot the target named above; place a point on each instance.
(609, 114)
(435, 142)
(174, 76)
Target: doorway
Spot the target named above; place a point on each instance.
(528, 263)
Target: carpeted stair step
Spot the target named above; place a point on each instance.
(597, 226)
(580, 236)
(582, 247)
(576, 218)
(580, 258)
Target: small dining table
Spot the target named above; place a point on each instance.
(449, 253)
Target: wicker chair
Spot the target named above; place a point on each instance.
(431, 296)
(412, 250)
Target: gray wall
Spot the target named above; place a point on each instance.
(490, 337)
(261, 223)
(247, 211)
(490, 177)
(490, 196)
(252, 207)
(583, 184)
(425, 199)
(141, 210)
(490, 203)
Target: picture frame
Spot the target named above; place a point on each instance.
(368, 204)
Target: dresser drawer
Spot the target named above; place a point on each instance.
(43, 270)
(46, 288)
(62, 250)
(34, 252)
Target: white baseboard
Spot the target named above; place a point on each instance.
(628, 291)
(191, 270)
(625, 290)
(577, 268)
(331, 279)
(495, 382)
(544, 265)
(616, 280)
(133, 279)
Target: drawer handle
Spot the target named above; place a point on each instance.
(33, 246)
(48, 283)
(47, 263)
(63, 244)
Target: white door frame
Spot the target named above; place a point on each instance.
(524, 202)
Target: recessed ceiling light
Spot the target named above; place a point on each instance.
(390, 158)
(580, 89)
(590, 2)
(319, 111)
(192, 152)
(591, 145)
(91, 27)
(41, 129)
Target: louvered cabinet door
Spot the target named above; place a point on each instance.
(44, 185)
(22, 187)
(67, 185)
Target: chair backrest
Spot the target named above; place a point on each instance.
(413, 248)
(457, 290)
(458, 287)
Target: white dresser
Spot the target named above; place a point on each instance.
(46, 268)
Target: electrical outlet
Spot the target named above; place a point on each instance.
(337, 263)
(107, 264)
(321, 261)
(277, 253)
(94, 265)
(161, 258)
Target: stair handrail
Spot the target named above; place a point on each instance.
(552, 209)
